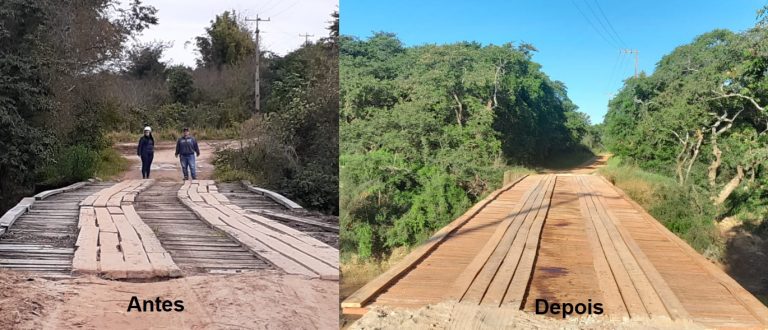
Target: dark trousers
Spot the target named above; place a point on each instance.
(146, 164)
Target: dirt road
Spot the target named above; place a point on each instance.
(165, 166)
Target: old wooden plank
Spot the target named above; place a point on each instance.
(288, 217)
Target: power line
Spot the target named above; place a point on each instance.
(609, 23)
(599, 21)
(593, 26)
(286, 8)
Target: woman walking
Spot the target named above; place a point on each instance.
(146, 151)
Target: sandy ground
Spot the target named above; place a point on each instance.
(260, 300)
(464, 316)
(165, 166)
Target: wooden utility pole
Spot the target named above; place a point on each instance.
(306, 37)
(637, 58)
(257, 98)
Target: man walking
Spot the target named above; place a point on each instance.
(186, 149)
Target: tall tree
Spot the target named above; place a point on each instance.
(226, 42)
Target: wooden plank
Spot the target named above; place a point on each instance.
(323, 252)
(273, 195)
(104, 220)
(105, 194)
(49, 193)
(274, 225)
(670, 304)
(466, 279)
(613, 302)
(369, 290)
(284, 250)
(755, 307)
(288, 217)
(517, 288)
(87, 217)
(193, 195)
(631, 297)
(15, 212)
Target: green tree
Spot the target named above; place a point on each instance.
(143, 60)
(226, 42)
(180, 84)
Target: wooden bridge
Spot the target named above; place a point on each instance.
(567, 239)
(142, 229)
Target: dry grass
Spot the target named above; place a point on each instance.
(355, 272)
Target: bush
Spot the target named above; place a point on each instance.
(70, 164)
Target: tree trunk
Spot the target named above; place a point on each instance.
(459, 110)
(700, 138)
(731, 186)
(712, 175)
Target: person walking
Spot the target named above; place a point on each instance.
(186, 149)
(146, 151)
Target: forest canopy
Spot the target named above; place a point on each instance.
(428, 130)
(701, 118)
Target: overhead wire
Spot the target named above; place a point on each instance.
(600, 22)
(607, 40)
(609, 23)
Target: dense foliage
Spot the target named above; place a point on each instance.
(48, 52)
(701, 119)
(427, 130)
(293, 145)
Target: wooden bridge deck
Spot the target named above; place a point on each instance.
(42, 241)
(564, 238)
(193, 245)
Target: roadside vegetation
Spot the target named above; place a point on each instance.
(75, 82)
(427, 131)
(691, 139)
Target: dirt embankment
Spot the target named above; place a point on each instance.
(256, 300)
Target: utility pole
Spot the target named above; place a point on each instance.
(306, 37)
(637, 57)
(258, 59)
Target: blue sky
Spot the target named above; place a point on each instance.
(570, 49)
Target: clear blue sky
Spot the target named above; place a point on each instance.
(570, 49)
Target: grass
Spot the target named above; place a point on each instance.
(111, 164)
(515, 172)
(173, 134)
(683, 209)
(356, 272)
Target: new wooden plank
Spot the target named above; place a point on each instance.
(273, 195)
(673, 307)
(369, 290)
(755, 307)
(631, 297)
(517, 287)
(476, 273)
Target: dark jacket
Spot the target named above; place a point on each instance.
(187, 146)
(146, 145)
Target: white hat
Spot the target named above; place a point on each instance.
(148, 129)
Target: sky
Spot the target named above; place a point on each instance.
(180, 21)
(565, 32)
